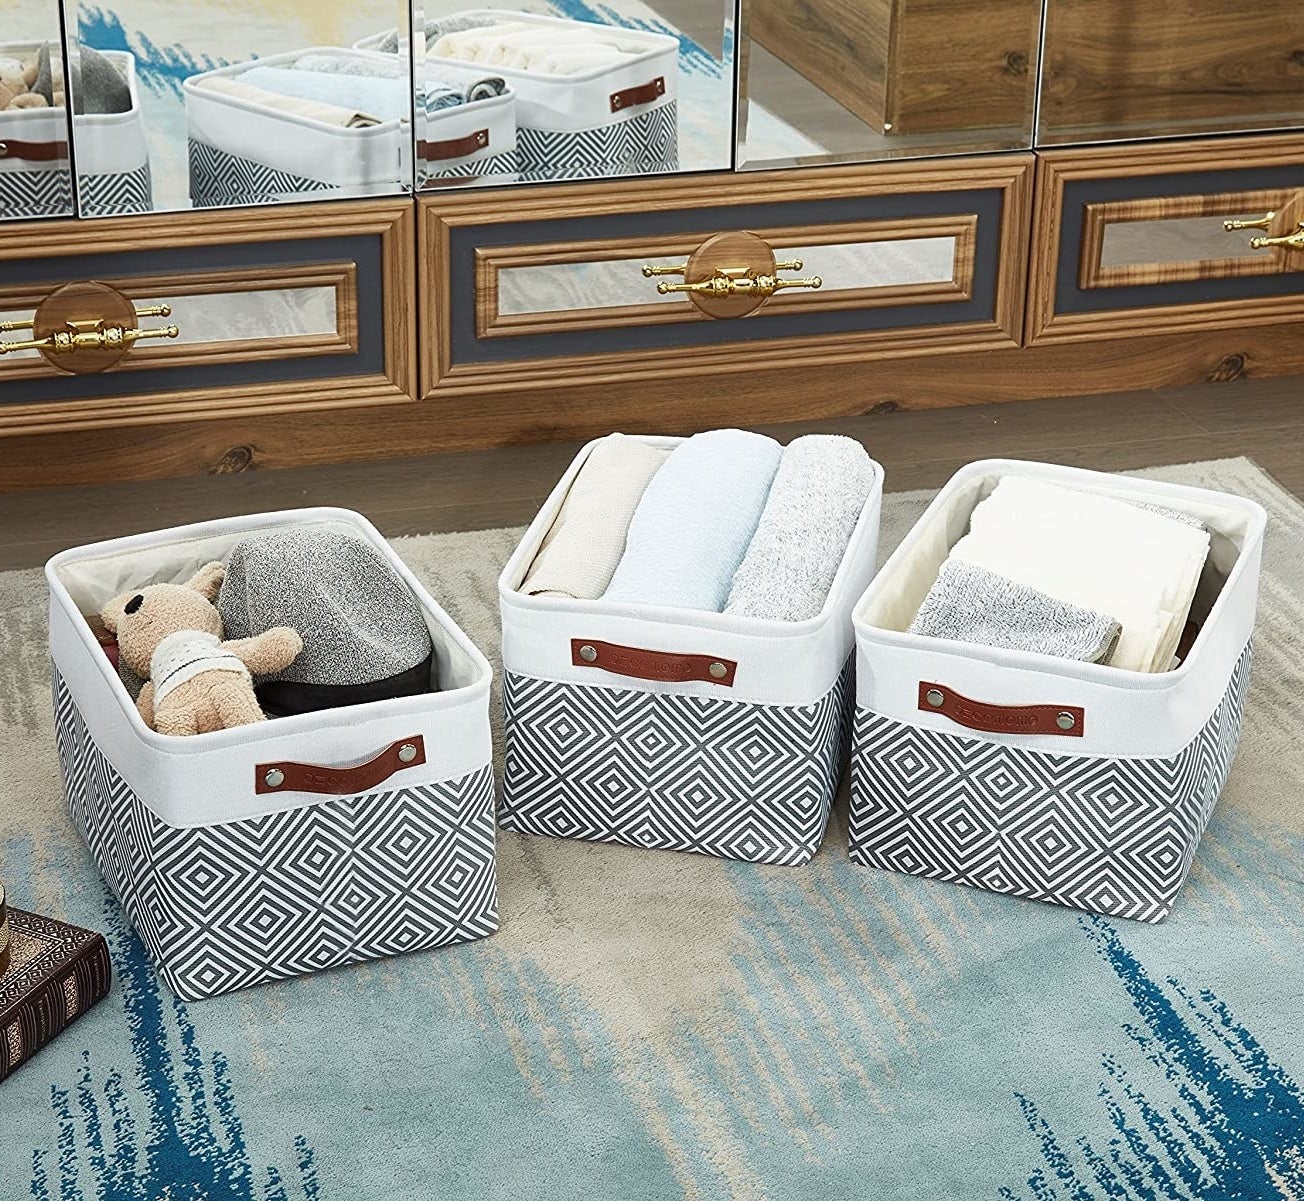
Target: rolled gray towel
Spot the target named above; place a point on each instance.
(814, 503)
(971, 604)
(364, 634)
(44, 85)
(326, 63)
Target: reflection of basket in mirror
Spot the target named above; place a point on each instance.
(313, 120)
(112, 158)
(592, 99)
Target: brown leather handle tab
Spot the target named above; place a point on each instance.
(341, 781)
(668, 666)
(437, 152)
(33, 152)
(1064, 721)
(644, 93)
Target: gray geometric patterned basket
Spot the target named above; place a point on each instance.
(1112, 836)
(236, 904)
(645, 143)
(674, 772)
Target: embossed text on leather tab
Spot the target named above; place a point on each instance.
(640, 664)
(1066, 721)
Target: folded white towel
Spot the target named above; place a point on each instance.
(313, 110)
(587, 538)
(694, 523)
(1098, 553)
(815, 501)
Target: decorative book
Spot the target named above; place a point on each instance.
(56, 973)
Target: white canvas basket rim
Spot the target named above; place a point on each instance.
(754, 627)
(657, 44)
(1135, 486)
(202, 95)
(303, 723)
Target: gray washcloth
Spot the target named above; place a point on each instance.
(346, 64)
(359, 622)
(971, 604)
(814, 503)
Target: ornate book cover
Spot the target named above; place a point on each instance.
(56, 973)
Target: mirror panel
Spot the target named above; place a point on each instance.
(534, 289)
(539, 90)
(1118, 69)
(211, 103)
(35, 167)
(854, 80)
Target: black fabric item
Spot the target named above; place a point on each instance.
(284, 698)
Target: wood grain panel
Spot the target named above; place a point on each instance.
(1118, 68)
(910, 66)
(768, 392)
(1058, 168)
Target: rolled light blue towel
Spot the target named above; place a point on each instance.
(384, 99)
(816, 499)
(695, 521)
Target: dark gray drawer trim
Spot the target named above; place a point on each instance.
(364, 250)
(1069, 298)
(467, 348)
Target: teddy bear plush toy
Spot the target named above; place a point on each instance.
(172, 634)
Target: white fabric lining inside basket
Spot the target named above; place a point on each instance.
(898, 594)
(92, 582)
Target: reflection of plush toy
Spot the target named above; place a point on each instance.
(197, 683)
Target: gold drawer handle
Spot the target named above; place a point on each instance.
(735, 281)
(1264, 223)
(93, 334)
(1293, 241)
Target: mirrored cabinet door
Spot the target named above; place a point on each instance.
(1118, 69)
(213, 103)
(35, 163)
(537, 90)
(854, 80)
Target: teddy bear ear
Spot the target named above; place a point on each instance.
(113, 612)
(208, 580)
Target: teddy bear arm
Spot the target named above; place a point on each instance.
(271, 651)
(145, 703)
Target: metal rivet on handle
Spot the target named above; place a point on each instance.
(1065, 721)
(406, 753)
(718, 671)
(588, 653)
(934, 697)
(274, 778)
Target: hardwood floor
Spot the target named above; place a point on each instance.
(1263, 419)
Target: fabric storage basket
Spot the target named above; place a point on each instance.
(1068, 782)
(242, 152)
(112, 156)
(231, 884)
(674, 728)
(619, 119)
(113, 174)
(475, 139)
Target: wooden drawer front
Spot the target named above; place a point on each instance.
(1133, 239)
(268, 309)
(546, 288)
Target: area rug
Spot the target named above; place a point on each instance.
(648, 1026)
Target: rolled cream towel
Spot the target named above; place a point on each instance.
(572, 60)
(695, 521)
(587, 538)
(471, 45)
(313, 110)
(385, 99)
(971, 604)
(1097, 552)
(815, 501)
